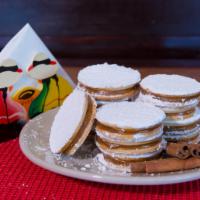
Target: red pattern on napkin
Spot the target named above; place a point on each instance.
(20, 179)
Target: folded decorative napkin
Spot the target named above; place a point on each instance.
(31, 79)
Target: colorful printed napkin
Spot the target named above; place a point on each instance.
(31, 79)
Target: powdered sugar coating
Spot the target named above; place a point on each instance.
(68, 120)
(130, 115)
(108, 76)
(171, 85)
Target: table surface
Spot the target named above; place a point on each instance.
(20, 179)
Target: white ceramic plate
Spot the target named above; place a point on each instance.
(34, 144)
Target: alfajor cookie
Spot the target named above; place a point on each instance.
(129, 131)
(109, 82)
(178, 96)
(72, 123)
(172, 93)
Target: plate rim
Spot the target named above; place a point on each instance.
(172, 178)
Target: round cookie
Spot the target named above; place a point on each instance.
(173, 93)
(181, 115)
(72, 123)
(171, 85)
(185, 121)
(131, 153)
(109, 82)
(130, 115)
(129, 138)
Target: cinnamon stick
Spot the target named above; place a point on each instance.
(178, 150)
(192, 163)
(166, 165)
(138, 167)
(195, 150)
(171, 164)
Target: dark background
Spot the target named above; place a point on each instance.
(141, 29)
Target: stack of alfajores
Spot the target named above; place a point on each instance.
(109, 83)
(178, 96)
(127, 132)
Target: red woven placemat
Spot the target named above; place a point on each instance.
(20, 179)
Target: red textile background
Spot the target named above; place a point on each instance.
(20, 179)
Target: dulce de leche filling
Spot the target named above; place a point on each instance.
(167, 98)
(117, 130)
(78, 136)
(125, 135)
(106, 94)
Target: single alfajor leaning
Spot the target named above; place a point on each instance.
(129, 131)
(109, 82)
(178, 96)
(72, 123)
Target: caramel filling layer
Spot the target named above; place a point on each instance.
(115, 130)
(129, 92)
(160, 97)
(181, 115)
(79, 134)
